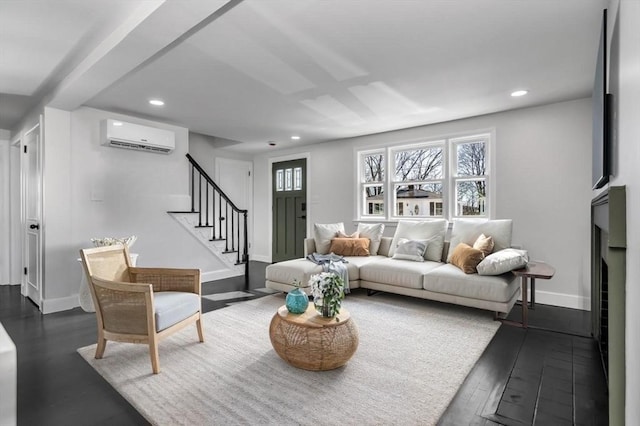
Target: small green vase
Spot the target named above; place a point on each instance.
(297, 301)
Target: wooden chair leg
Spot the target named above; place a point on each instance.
(102, 345)
(200, 330)
(153, 352)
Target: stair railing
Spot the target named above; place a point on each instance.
(228, 223)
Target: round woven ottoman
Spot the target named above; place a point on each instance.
(312, 342)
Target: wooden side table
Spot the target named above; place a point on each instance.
(312, 342)
(529, 273)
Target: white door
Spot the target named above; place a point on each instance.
(234, 178)
(32, 202)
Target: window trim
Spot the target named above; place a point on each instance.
(449, 142)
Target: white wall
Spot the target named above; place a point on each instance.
(5, 208)
(204, 149)
(543, 182)
(627, 95)
(97, 191)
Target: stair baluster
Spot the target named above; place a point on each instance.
(232, 228)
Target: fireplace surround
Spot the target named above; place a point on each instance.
(608, 280)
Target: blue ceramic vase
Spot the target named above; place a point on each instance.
(297, 301)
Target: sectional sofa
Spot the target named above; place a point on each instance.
(432, 277)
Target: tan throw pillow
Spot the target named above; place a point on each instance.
(466, 258)
(484, 244)
(350, 246)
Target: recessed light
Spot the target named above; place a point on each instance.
(156, 102)
(519, 93)
(295, 138)
(117, 123)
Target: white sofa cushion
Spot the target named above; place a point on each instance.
(468, 230)
(400, 273)
(503, 261)
(449, 279)
(433, 230)
(323, 233)
(372, 231)
(302, 269)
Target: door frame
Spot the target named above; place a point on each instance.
(218, 162)
(299, 156)
(23, 210)
(15, 197)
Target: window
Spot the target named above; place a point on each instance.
(439, 178)
(469, 177)
(372, 183)
(289, 179)
(418, 179)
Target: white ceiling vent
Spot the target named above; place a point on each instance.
(120, 134)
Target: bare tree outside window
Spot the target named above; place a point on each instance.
(471, 193)
(374, 172)
(419, 164)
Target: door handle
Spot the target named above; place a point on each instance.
(34, 226)
(302, 217)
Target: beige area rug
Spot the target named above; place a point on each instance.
(413, 356)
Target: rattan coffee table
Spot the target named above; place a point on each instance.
(312, 342)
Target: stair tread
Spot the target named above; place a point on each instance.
(185, 211)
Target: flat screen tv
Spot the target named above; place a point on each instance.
(601, 168)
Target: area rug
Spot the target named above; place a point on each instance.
(413, 356)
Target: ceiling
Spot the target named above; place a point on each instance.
(254, 71)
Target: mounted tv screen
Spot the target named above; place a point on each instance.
(601, 105)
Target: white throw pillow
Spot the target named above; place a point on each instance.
(433, 230)
(503, 261)
(324, 233)
(373, 232)
(410, 250)
(468, 230)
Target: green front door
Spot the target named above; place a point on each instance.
(289, 209)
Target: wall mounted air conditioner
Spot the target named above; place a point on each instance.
(120, 134)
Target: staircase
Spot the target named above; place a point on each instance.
(216, 222)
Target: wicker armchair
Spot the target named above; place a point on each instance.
(140, 305)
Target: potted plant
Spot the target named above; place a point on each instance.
(327, 289)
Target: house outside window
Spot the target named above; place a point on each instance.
(444, 178)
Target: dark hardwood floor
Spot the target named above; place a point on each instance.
(524, 377)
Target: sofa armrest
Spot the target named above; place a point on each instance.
(309, 246)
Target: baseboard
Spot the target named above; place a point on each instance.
(259, 258)
(219, 275)
(564, 300)
(60, 304)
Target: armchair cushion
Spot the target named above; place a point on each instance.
(172, 307)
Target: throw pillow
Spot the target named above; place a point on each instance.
(372, 231)
(350, 246)
(343, 235)
(324, 233)
(503, 261)
(468, 230)
(424, 230)
(466, 258)
(410, 250)
(484, 244)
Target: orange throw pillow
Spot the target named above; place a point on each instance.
(350, 246)
(466, 258)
